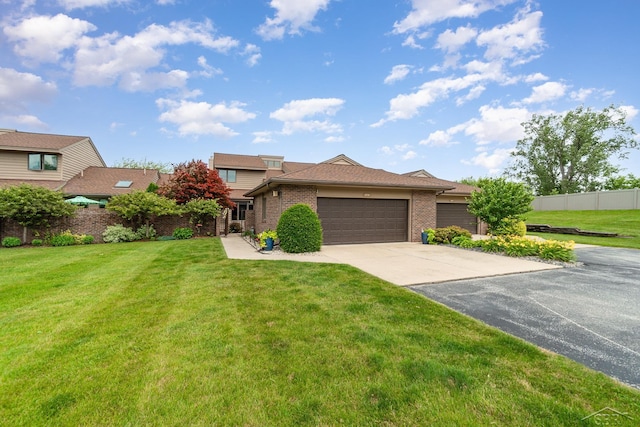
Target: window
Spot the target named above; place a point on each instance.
(227, 175)
(239, 213)
(47, 162)
(273, 164)
(123, 184)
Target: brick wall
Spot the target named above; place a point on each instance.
(288, 195)
(93, 221)
(423, 213)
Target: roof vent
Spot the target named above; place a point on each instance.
(123, 184)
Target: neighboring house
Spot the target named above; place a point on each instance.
(43, 159)
(70, 164)
(102, 183)
(357, 204)
(241, 173)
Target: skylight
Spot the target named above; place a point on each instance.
(123, 184)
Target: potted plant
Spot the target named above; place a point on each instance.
(428, 236)
(267, 238)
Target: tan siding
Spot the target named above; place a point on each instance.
(247, 180)
(448, 198)
(77, 157)
(14, 165)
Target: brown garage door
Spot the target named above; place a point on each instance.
(363, 220)
(455, 214)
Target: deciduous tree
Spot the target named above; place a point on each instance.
(141, 207)
(500, 199)
(33, 207)
(143, 164)
(194, 180)
(571, 153)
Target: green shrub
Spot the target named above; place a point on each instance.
(87, 239)
(182, 233)
(11, 242)
(555, 250)
(63, 239)
(118, 233)
(36, 242)
(299, 230)
(146, 232)
(431, 235)
(235, 227)
(521, 246)
(493, 245)
(465, 242)
(447, 234)
(509, 227)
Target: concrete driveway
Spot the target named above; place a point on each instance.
(590, 313)
(399, 263)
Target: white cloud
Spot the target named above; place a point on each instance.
(536, 77)
(452, 41)
(44, 38)
(253, 53)
(497, 124)
(409, 155)
(398, 72)
(630, 111)
(546, 92)
(291, 17)
(334, 139)
(202, 118)
(110, 58)
(439, 138)
(17, 91)
(386, 150)
(520, 37)
(491, 161)
(207, 70)
(299, 109)
(427, 12)
(406, 106)
(81, 4)
(262, 137)
(581, 95)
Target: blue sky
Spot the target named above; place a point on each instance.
(441, 85)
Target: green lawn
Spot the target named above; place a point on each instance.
(623, 222)
(173, 333)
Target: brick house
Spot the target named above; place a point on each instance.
(356, 204)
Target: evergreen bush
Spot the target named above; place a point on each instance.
(182, 233)
(119, 233)
(11, 242)
(299, 230)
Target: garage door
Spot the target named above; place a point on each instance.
(455, 214)
(363, 220)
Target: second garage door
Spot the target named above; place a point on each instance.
(455, 214)
(363, 220)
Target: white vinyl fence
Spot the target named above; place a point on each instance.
(594, 201)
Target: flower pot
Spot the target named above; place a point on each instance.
(425, 238)
(268, 244)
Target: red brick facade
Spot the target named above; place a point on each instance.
(423, 213)
(93, 221)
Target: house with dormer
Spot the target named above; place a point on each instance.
(355, 204)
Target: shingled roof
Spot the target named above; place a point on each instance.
(352, 175)
(97, 181)
(28, 141)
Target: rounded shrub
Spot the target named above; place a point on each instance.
(509, 227)
(118, 233)
(299, 230)
(182, 233)
(37, 242)
(11, 242)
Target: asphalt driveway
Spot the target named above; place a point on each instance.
(590, 313)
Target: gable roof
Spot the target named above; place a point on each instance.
(99, 181)
(28, 141)
(419, 174)
(351, 174)
(237, 161)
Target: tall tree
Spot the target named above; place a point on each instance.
(141, 207)
(499, 200)
(622, 182)
(571, 153)
(194, 180)
(33, 207)
(143, 164)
